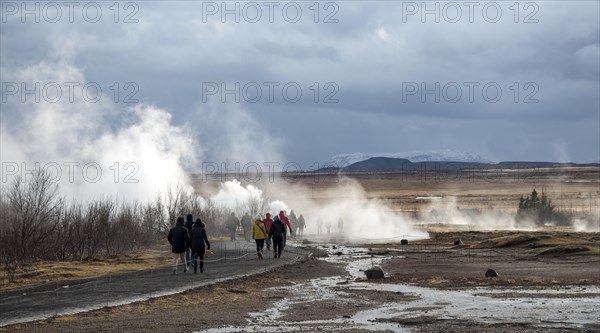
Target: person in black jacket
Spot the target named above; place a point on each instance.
(179, 240)
(189, 224)
(198, 238)
(246, 223)
(277, 234)
(232, 225)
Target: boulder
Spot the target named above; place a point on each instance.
(458, 242)
(404, 242)
(374, 273)
(490, 273)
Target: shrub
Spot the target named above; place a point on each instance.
(540, 211)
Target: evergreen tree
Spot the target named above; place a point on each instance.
(538, 210)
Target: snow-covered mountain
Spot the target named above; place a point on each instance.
(446, 155)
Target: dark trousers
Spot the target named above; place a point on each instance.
(260, 244)
(198, 255)
(277, 245)
(188, 256)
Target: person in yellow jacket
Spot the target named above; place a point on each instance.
(259, 234)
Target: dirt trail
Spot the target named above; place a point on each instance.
(235, 260)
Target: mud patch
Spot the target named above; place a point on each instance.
(429, 324)
(322, 310)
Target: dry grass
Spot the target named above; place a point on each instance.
(545, 243)
(438, 280)
(507, 241)
(566, 250)
(499, 192)
(52, 272)
(571, 188)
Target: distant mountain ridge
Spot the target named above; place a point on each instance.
(344, 160)
(402, 164)
(427, 159)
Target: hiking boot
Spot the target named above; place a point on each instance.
(260, 255)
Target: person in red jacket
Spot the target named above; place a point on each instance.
(286, 222)
(268, 222)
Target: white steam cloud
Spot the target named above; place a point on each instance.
(92, 148)
(364, 219)
(102, 150)
(234, 197)
(445, 210)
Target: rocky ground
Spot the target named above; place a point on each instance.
(430, 286)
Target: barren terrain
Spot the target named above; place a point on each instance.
(328, 291)
(548, 279)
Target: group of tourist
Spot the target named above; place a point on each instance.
(189, 240)
(275, 231)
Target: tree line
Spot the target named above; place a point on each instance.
(37, 223)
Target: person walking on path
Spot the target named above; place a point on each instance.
(232, 225)
(198, 238)
(301, 225)
(319, 226)
(286, 222)
(189, 224)
(259, 234)
(277, 234)
(268, 222)
(340, 225)
(293, 222)
(246, 226)
(179, 239)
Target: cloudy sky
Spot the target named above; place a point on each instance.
(506, 81)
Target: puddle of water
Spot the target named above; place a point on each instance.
(472, 304)
(317, 290)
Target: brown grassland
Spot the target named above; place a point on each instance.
(554, 256)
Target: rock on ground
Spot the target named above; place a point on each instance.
(374, 273)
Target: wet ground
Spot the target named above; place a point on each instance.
(330, 293)
(348, 303)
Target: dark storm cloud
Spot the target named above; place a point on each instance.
(373, 55)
